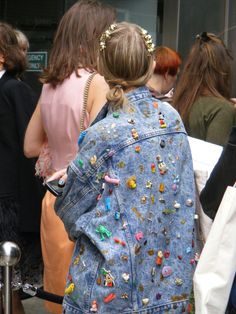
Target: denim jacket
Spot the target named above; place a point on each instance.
(129, 205)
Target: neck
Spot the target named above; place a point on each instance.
(156, 83)
(128, 89)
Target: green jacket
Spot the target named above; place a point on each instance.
(211, 119)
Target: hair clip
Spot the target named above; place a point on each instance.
(203, 36)
(118, 86)
(106, 35)
(148, 40)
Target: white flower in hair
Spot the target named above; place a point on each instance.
(148, 40)
(106, 35)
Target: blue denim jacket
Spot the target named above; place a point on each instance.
(129, 205)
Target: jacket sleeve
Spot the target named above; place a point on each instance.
(223, 175)
(79, 197)
(222, 120)
(24, 101)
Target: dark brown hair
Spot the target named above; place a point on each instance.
(15, 61)
(167, 61)
(76, 43)
(207, 72)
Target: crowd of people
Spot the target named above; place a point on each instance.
(115, 231)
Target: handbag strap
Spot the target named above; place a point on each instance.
(85, 99)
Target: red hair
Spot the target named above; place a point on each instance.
(167, 61)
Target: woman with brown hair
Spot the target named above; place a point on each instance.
(60, 115)
(202, 95)
(20, 192)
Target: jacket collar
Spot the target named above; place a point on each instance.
(6, 76)
(134, 95)
(2, 73)
(138, 93)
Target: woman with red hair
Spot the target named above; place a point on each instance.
(165, 73)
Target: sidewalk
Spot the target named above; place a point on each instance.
(34, 306)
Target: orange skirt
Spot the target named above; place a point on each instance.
(57, 252)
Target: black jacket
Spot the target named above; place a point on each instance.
(223, 174)
(17, 180)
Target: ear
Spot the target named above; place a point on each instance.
(166, 75)
(154, 64)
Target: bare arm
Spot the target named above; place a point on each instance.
(35, 135)
(97, 96)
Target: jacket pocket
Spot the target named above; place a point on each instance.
(83, 273)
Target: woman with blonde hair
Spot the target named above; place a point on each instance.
(128, 202)
(202, 95)
(73, 93)
(22, 40)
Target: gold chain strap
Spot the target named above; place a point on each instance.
(85, 100)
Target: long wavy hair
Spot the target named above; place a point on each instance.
(207, 72)
(76, 42)
(15, 61)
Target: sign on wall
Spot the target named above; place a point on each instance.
(37, 60)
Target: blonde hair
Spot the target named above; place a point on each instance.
(23, 41)
(125, 61)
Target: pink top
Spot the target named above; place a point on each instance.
(61, 110)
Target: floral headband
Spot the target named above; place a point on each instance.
(107, 35)
(148, 40)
